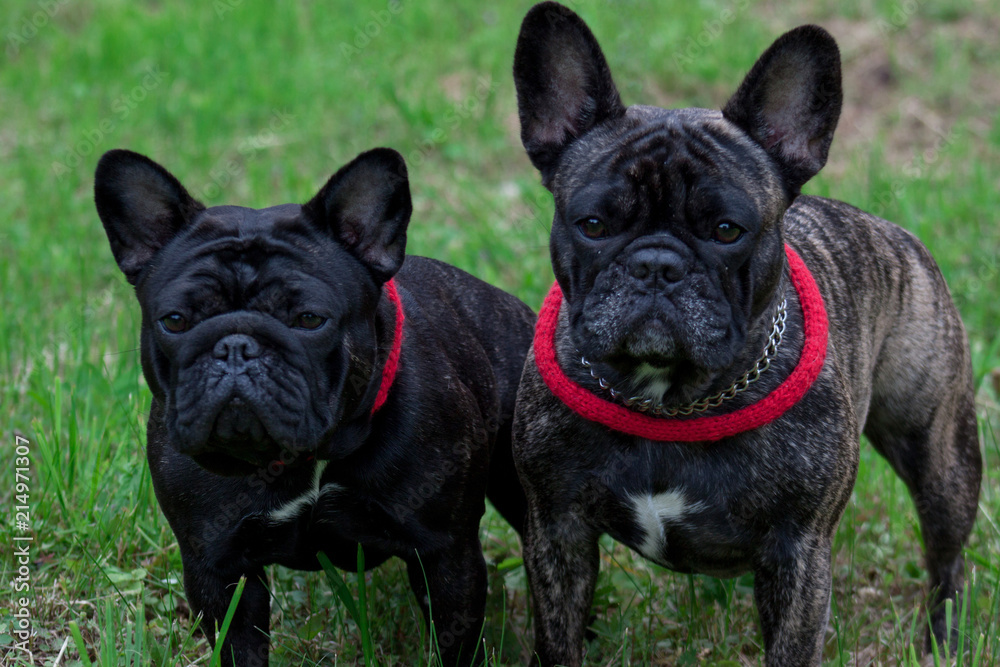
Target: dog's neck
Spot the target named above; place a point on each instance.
(364, 379)
(371, 376)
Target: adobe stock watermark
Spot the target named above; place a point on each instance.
(364, 34)
(899, 17)
(30, 24)
(452, 633)
(918, 166)
(971, 289)
(223, 7)
(228, 513)
(524, 209)
(22, 628)
(458, 113)
(429, 485)
(121, 108)
(234, 164)
(711, 31)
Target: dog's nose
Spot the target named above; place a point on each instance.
(236, 349)
(651, 263)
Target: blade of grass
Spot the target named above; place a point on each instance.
(366, 638)
(216, 660)
(963, 616)
(81, 647)
(979, 651)
(935, 650)
(948, 614)
(358, 611)
(339, 587)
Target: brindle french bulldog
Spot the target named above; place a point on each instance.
(698, 391)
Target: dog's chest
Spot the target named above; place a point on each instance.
(322, 512)
(290, 509)
(681, 512)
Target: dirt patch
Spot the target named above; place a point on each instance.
(455, 85)
(910, 82)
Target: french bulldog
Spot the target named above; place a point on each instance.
(313, 391)
(716, 344)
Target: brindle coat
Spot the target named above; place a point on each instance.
(696, 315)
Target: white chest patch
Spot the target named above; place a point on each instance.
(653, 512)
(291, 509)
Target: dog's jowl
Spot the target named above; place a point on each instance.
(313, 391)
(716, 344)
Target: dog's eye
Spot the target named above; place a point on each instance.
(593, 228)
(308, 321)
(174, 323)
(726, 232)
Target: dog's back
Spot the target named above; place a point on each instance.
(895, 306)
(489, 358)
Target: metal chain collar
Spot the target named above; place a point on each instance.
(658, 409)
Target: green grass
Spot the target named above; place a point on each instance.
(257, 106)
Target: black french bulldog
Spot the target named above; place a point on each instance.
(698, 391)
(313, 391)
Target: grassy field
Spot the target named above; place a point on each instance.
(259, 106)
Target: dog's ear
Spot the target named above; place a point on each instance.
(564, 86)
(142, 207)
(789, 103)
(366, 206)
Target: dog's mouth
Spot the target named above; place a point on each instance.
(657, 362)
(670, 374)
(662, 336)
(234, 417)
(654, 341)
(238, 422)
(625, 361)
(659, 346)
(239, 443)
(657, 354)
(235, 431)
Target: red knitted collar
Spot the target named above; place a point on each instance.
(691, 429)
(392, 363)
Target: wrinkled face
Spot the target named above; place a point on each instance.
(666, 240)
(258, 325)
(252, 316)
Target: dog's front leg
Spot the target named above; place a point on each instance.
(792, 584)
(451, 589)
(561, 559)
(210, 592)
